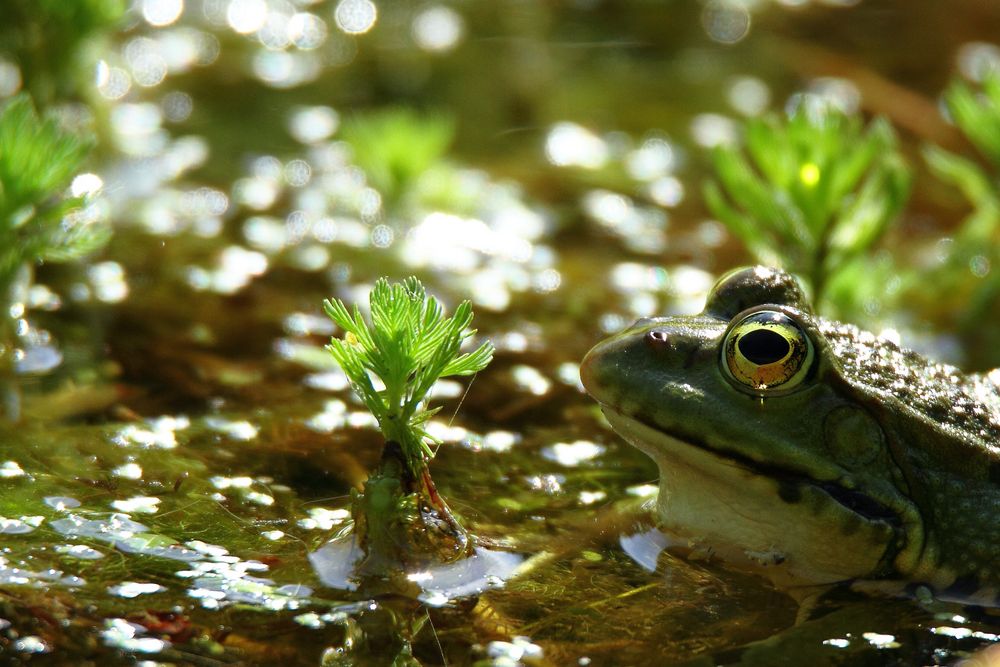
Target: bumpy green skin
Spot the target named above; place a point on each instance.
(879, 448)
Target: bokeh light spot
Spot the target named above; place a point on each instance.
(10, 78)
(159, 13)
(726, 21)
(246, 16)
(355, 16)
(438, 28)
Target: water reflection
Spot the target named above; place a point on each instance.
(433, 584)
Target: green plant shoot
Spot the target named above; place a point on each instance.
(395, 147)
(37, 161)
(53, 43)
(962, 277)
(409, 345)
(811, 192)
(977, 114)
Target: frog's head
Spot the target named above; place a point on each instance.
(766, 455)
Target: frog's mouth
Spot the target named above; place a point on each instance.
(821, 530)
(859, 503)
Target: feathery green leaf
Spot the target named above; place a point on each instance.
(409, 345)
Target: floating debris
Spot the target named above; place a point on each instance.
(61, 503)
(237, 266)
(964, 633)
(31, 644)
(321, 518)
(327, 381)
(141, 504)
(445, 432)
(311, 125)
(124, 534)
(243, 485)
(119, 633)
(362, 419)
(310, 620)
(128, 471)
(514, 651)
(437, 28)
(309, 324)
(217, 591)
(10, 469)
(495, 441)
(881, 641)
(132, 589)
(235, 429)
(18, 576)
(591, 497)
(531, 380)
(107, 282)
(643, 490)
(549, 484)
(212, 550)
(572, 145)
(159, 433)
(572, 453)
(25, 524)
(332, 417)
(80, 551)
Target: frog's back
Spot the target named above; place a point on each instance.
(943, 430)
(967, 405)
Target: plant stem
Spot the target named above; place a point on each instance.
(401, 520)
(819, 273)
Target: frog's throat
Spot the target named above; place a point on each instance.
(808, 530)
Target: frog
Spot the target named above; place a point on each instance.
(808, 450)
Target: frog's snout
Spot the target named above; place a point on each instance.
(600, 368)
(594, 372)
(587, 372)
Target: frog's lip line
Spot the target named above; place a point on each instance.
(856, 502)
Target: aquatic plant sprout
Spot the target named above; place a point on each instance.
(37, 160)
(395, 147)
(810, 192)
(963, 274)
(408, 347)
(977, 114)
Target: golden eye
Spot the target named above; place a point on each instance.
(766, 352)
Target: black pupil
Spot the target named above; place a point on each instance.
(763, 346)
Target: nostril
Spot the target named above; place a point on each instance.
(657, 337)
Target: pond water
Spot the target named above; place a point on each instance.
(195, 444)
